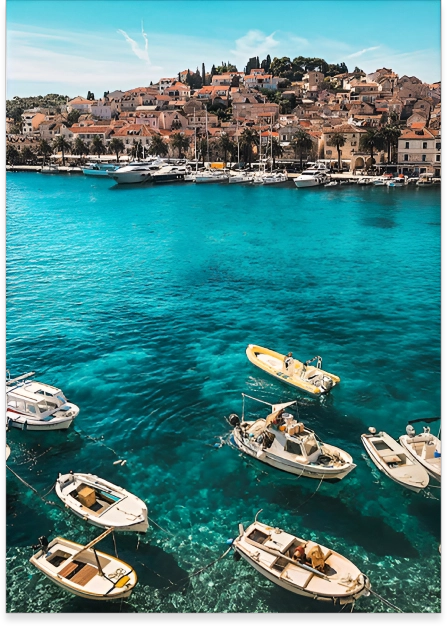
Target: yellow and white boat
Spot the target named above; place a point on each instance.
(83, 571)
(310, 378)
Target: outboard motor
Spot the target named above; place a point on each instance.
(410, 430)
(326, 384)
(42, 545)
(234, 420)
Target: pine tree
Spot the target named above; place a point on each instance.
(257, 63)
(203, 74)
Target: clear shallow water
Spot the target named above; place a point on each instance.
(139, 304)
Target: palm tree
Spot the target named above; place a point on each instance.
(390, 134)
(158, 146)
(338, 141)
(12, 155)
(179, 142)
(137, 150)
(80, 147)
(301, 142)
(45, 149)
(247, 141)
(225, 145)
(28, 155)
(61, 145)
(97, 146)
(371, 140)
(116, 146)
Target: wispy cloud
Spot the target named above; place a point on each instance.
(361, 52)
(141, 53)
(254, 43)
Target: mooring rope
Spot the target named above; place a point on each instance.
(101, 443)
(34, 458)
(387, 602)
(202, 569)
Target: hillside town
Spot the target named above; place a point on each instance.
(353, 121)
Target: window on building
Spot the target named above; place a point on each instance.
(353, 143)
(407, 145)
(438, 157)
(405, 157)
(438, 146)
(329, 152)
(424, 157)
(424, 145)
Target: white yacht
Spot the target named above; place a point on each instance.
(317, 174)
(134, 173)
(398, 181)
(274, 178)
(50, 169)
(171, 174)
(33, 405)
(425, 448)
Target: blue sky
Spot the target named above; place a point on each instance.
(71, 46)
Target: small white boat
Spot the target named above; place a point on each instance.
(100, 169)
(364, 180)
(285, 443)
(101, 503)
(82, 570)
(190, 178)
(50, 169)
(425, 448)
(212, 176)
(398, 181)
(333, 183)
(301, 566)
(171, 174)
(275, 178)
(8, 451)
(305, 376)
(394, 461)
(425, 179)
(380, 182)
(33, 405)
(241, 178)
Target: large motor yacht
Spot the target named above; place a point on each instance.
(315, 175)
(171, 174)
(136, 172)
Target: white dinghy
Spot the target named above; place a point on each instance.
(425, 448)
(283, 442)
(82, 570)
(394, 461)
(32, 405)
(101, 503)
(302, 567)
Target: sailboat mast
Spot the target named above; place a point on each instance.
(271, 145)
(237, 134)
(207, 142)
(195, 139)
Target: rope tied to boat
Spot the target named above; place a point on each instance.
(42, 497)
(204, 568)
(387, 602)
(118, 462)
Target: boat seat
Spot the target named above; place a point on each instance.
(391, 458)
(84, 575)
(68, 569)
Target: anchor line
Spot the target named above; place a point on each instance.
(205, 567)
(158, 526)
(42, 497)
(96, 441)
(387, 602)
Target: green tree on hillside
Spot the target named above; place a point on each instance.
(370, 141)
(45, 149)
(157, 146)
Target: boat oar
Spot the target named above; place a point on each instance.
(92, 543)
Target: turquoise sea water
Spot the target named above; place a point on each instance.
(139, 303)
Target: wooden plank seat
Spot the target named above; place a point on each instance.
(84, 575)
(68, 569)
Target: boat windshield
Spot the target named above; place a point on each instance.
(311, 447)
(293, 447)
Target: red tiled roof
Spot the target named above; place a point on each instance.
(411, 134)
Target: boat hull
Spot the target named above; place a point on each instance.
(115, 515)
(376, 460)
(103, 173)
(131, 178)
(252, 353)
(429, 469)
(308, 471)
(26, 423)
(310, 182)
